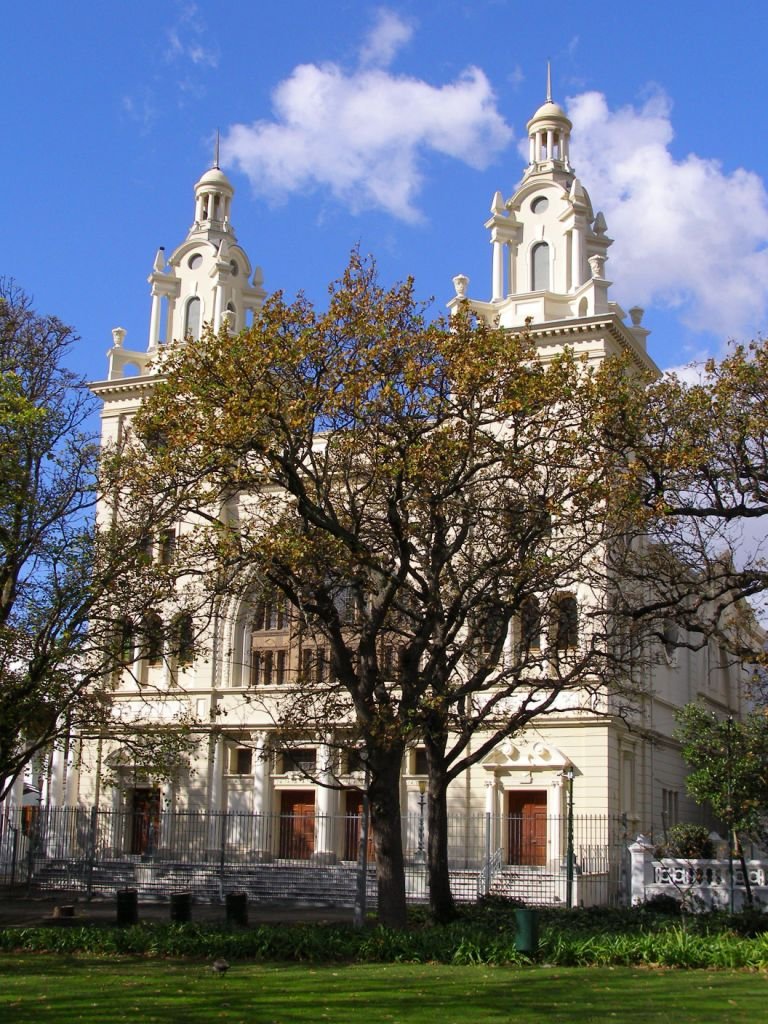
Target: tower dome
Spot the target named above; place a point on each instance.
(549, 133)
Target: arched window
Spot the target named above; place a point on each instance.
(565, 622)
(192, 319)
(184, 639)
(270, 643)
(126, 639)
(152, 638)
(530, 624)
(540, 267)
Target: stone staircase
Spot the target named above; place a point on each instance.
(302, 884)
(530, 885)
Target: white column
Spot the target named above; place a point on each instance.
(531, 149)
(498, 269)
(262, 802)
(16, 793)
(154, 321)
(511, 259)
(215, 793)
(216, 796)
(556, 813)
(538, 147)
(550, 143)
(72, 786)
(577, 253)
(218, 303)
(326, 809)
(491, 808)
(56, 781)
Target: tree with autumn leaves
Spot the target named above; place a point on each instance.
(433, 501)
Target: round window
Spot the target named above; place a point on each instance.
(194, 260)
(539, 204)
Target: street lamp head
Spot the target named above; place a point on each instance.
(422, 786)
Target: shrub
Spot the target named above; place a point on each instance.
(686, 840)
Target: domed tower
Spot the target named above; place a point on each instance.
(549, 247)
(208, 279)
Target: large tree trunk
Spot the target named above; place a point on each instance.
(440, 897)
(384, 800)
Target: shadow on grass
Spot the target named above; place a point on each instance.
(93, 991)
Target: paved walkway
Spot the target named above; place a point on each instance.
(19, 911)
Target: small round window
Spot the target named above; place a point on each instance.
(539, 204)
(194, 260)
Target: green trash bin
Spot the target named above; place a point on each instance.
(181, 907)
(527, 931)
(237, 909)
(127, 907)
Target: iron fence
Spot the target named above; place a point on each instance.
(311, 857)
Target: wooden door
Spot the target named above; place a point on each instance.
(527, 828)
(352, 824)
(297, 824)
(145, 820)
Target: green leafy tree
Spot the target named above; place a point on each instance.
(60, 577)
(424, 495)
(729, 769)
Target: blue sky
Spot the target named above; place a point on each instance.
(390, 126)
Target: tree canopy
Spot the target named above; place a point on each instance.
(424, 494)
(59, 576)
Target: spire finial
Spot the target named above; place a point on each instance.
(549, 82)
(216, 152)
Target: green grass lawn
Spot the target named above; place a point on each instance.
(63, 990)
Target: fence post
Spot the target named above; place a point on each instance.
(32, 840)
(14, 852)
(91, 853)
(640, 860)
(223, 852)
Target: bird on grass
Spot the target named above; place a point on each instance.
(220, 966)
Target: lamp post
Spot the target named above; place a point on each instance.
(420, 847)
(569, 857)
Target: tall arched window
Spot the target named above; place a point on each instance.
(184, 638)
(126, 641)
(565, 622)
(530, 624)
(192, 319)
(152, 638)
(540, 267)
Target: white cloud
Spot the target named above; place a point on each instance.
(389, 33)
(363, 135)
(688, 235)
(184, 38)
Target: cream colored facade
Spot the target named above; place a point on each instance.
(548, 254)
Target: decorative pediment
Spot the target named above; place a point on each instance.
(525, 755)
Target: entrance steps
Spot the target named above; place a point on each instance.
(530, 885)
